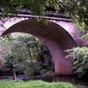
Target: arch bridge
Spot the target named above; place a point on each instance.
(58, 35)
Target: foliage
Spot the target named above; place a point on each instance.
(80, 60)
(26, 54)
(77, 9)
(36, 6)
(35, 84)
(85, 36)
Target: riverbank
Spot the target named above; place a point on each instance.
(36, 84)
(49, 78)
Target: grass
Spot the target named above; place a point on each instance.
(35, 84)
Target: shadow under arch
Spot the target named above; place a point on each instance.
(56, 38)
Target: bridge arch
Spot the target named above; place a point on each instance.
(55, 37)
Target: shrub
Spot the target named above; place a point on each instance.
(80, 60)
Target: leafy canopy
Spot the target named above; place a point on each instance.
(77, 9)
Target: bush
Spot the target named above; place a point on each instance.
(80, 60)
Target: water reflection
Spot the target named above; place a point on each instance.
(71, 79)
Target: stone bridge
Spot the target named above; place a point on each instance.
(58, 35)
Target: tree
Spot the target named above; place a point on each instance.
(75, 8)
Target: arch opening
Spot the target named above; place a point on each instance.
(56, 38)
(27, 53)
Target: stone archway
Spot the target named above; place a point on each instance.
(54, 36)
